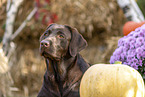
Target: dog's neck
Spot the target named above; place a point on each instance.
(59, 69)
(60, 66)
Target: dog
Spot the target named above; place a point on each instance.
(60, 46)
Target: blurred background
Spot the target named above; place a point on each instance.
(23, 21)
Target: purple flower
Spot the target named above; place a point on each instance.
(140, 62)
(131, 53)
(143, 26)
(134, 66)
(120, 42)
(137, 29)
(125, 63)
(139, 50)
(143, 31)
(132, 45)
(130, 39)
(141, 34)
(131, 49)
(129, 58)
(135, 35)
(139, 56)
(137, 44)
(125, 48)
(140, 40)
(143, 47)
(143, 54)
(118, 51)
(131, 33)
(123, 56)
(134, 60)
(126, 44)
(112, 59)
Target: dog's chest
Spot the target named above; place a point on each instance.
(65, 81)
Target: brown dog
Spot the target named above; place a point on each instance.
(60, 45)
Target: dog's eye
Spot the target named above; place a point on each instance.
(45, 34)
(60, 36)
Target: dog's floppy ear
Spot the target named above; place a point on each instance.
(77, 42)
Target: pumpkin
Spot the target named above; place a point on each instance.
(115, 80)
(131, 26)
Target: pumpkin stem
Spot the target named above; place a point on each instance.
(117, 62)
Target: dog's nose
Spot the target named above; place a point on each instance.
(44, 43)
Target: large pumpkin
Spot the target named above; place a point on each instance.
(111, 81)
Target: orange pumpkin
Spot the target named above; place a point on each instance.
(131, 26)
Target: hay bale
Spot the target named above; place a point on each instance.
(100, 52)
(30, 68)
(90, 16)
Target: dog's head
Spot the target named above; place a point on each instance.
(59, 40)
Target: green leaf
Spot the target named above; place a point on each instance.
(117, 62)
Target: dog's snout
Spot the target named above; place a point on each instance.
(44, 43)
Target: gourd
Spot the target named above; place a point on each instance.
(131, 26)
(116, 80)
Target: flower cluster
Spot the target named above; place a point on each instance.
(131, 49)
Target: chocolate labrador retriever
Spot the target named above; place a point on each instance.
(60, 45)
